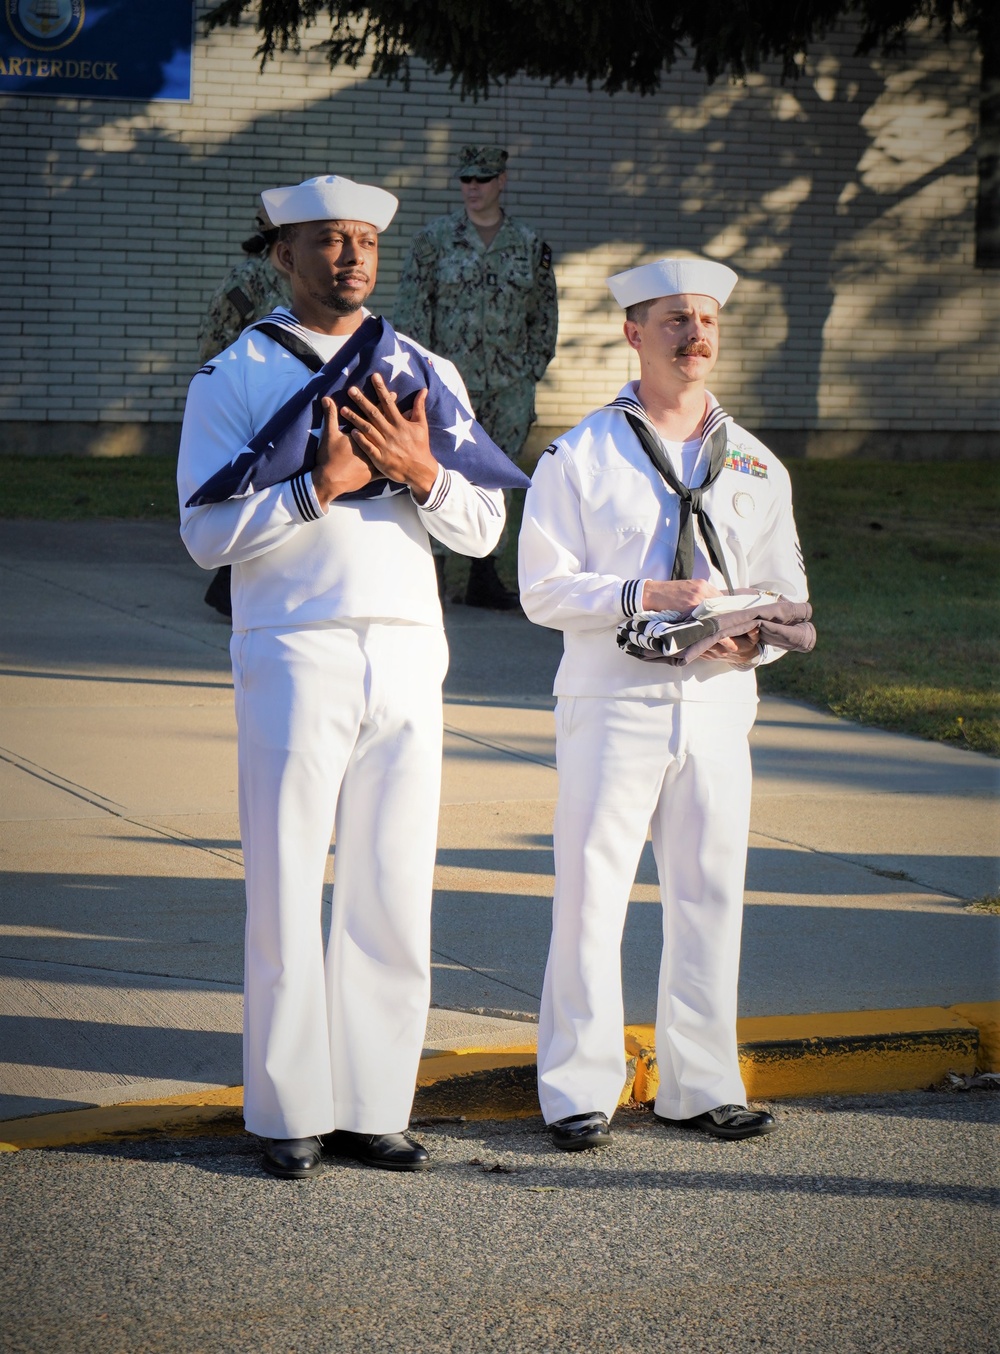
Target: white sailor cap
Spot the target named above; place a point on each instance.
(330, 197)
(673, 277)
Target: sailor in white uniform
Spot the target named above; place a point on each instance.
(338, 656)
(644, 745)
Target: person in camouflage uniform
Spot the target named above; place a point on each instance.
(477, 287)
(248, 292)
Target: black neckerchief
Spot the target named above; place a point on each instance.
(692, 505)
(292, 343)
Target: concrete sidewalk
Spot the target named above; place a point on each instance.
(121, 912)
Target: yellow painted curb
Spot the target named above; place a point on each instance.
(834, 1053)
(844, 1053)
(854, 1053)
(498, 1083)
(435, 1067)
(196, 1111)
(985, 1015)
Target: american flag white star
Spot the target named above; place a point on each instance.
(399, 361)
(461, 431)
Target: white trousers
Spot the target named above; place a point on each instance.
(682, 770)
(337, 726)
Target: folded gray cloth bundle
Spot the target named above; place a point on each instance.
(783, 625)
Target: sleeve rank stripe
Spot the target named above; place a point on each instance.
(629, 601)
(434, 503)
(303, 499)
(494, 510)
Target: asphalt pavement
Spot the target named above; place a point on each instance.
(863, 1226)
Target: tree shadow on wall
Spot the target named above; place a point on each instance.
(825, 167)
(775, 180)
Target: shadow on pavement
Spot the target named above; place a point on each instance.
(141, 1051)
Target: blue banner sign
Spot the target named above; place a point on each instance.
(97, 49)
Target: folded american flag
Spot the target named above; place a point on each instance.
(286, 445)
(661, 637)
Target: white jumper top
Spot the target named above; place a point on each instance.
(293, 563)
(599, 520)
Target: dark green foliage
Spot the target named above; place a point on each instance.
(624, 45)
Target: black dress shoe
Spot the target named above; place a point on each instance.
(486, 589)
(390, 1151)
(293, 1158)
(729, 1121)
(579, 1131)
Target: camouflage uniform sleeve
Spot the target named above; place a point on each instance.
(250, 291)
(543, 311)
(413, 313)
(222, 324)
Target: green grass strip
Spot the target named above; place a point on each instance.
(904, 563)
(80, 488)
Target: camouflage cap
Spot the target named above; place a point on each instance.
(481, 162)
(264, 235)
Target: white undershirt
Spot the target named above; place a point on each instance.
(327, 344)
(684, 456)
(324, 344)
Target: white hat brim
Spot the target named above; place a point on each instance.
(330, 197)
(673, 277)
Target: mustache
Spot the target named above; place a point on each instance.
(695, 349)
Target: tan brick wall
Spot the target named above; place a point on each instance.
(845, 200)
